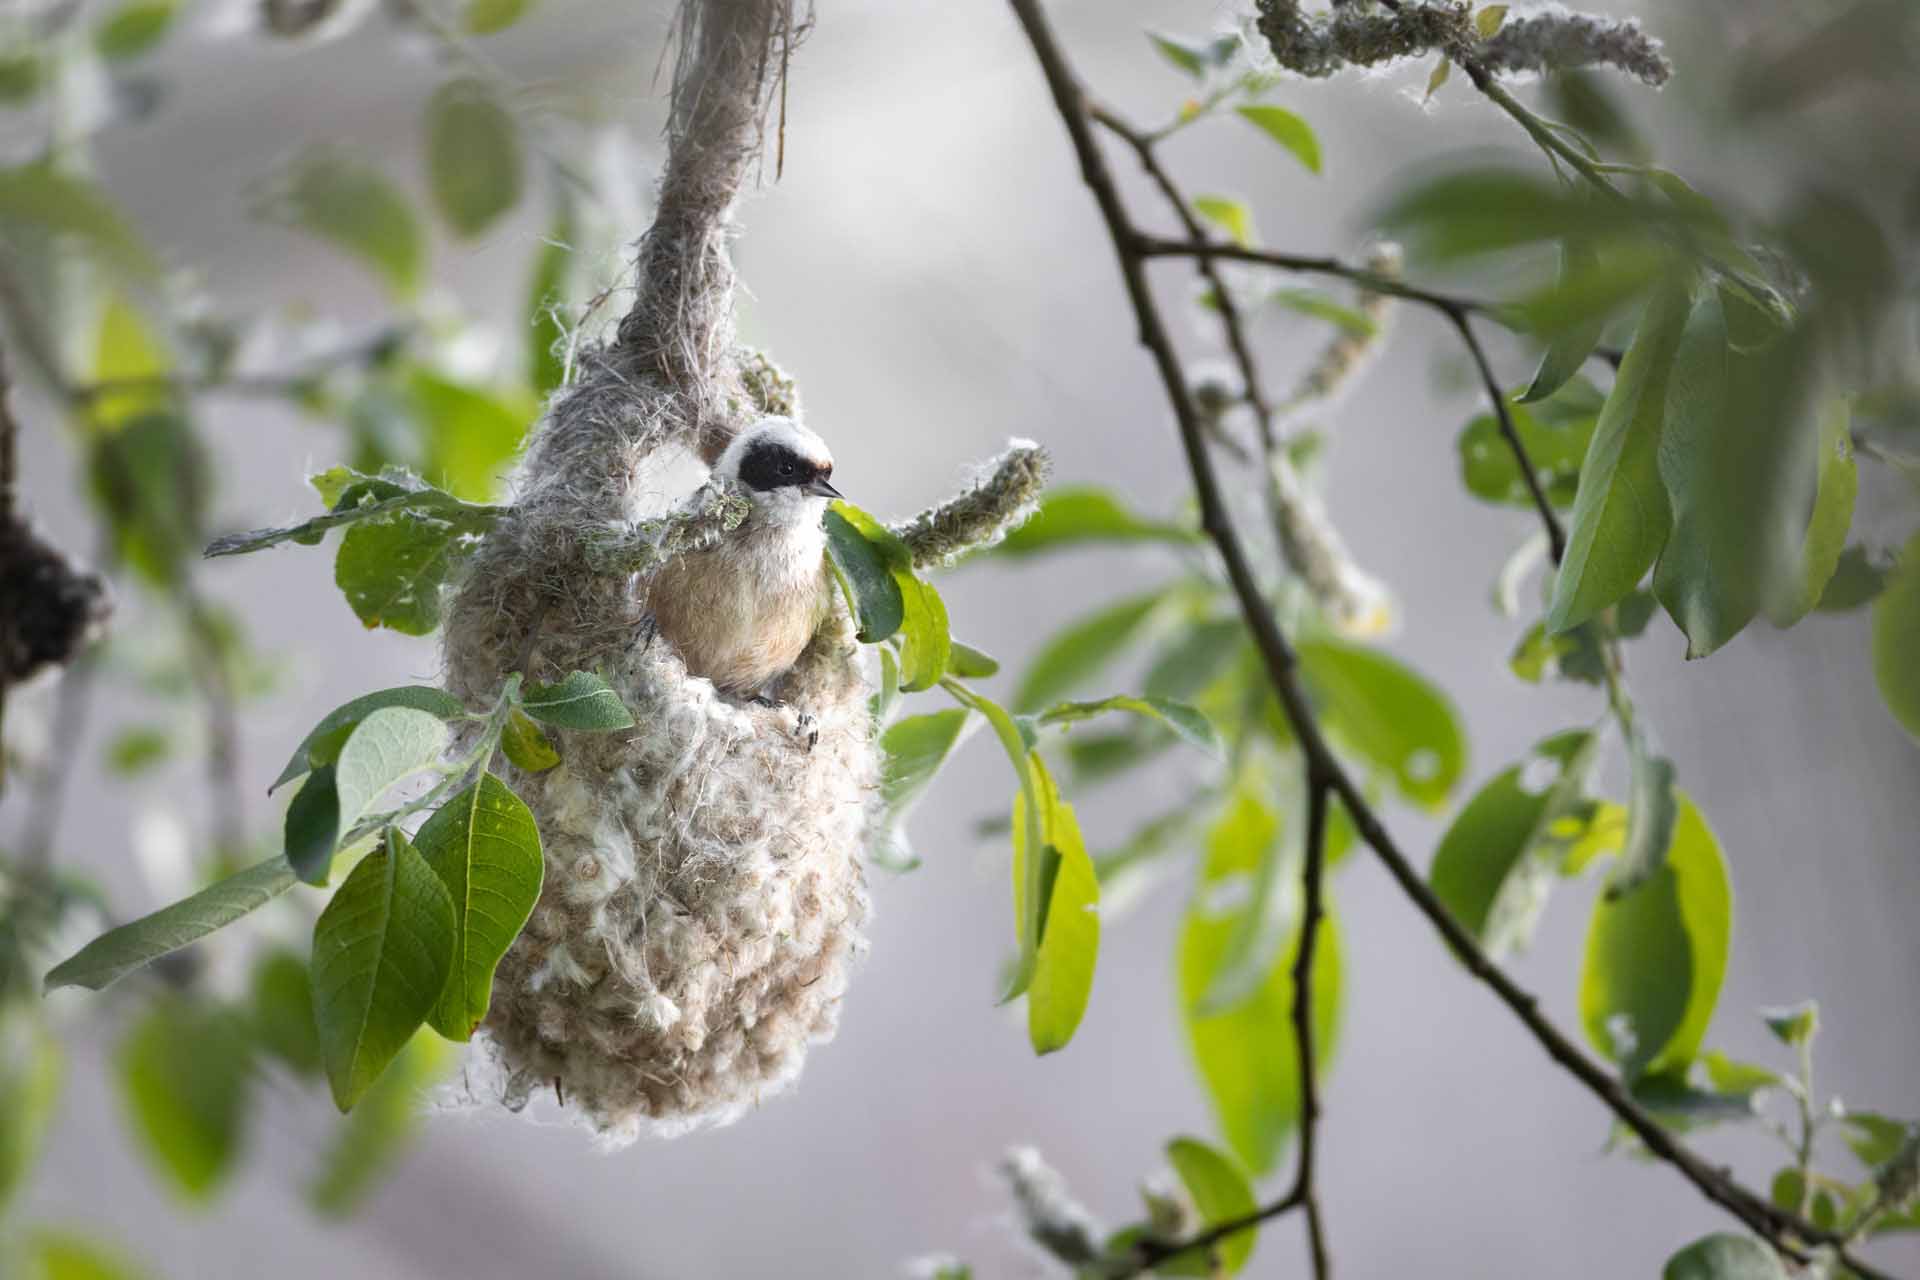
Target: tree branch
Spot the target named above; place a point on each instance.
(1145, 245)
(1786, 1231)
(1312, 876)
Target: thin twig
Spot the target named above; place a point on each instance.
(1556, 535)
(1230, 319)
(1786, 1231)
(1145, 245)
(1312, 876)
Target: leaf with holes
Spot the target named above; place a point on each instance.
(382, 951)
(1390, 715)
(1656, 956)
(1497, 861)
(485, 848)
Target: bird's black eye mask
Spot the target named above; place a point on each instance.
(770, 466)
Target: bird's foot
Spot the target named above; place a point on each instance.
(808, 727)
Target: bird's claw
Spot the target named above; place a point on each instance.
(806, 726)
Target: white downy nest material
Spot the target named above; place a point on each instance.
(704, 889)
(704, 894)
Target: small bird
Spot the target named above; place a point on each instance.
(741, 611)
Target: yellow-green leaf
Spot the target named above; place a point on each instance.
(1287, 129)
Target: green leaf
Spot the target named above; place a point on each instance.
(484, 17)
(1856, 581)
(526, 746)
(1264, 922)
(472, 437)
(183, 1072)
(1188, 723)
(1192, 56)
(371, 1139)
(22, 72)
(322, 745)
(391, 570)
(1556, 439)
(1730, 1076)
(926, 643)
(52, 202)
(136, 749)
(59, 1255)
(912, 750)
(552, 267)
(1680, 1106)
(1072, 516)
(1070, 946)
(473, 156)
(1487, 20)
(485, 847)
(134, 29)
(1656, 957)
(1498, 859)
(582, 701)
(312, 829)
(1793, 1024)
(1287, 129)
(31, 1068)
(382, 951)
(388, 745)
(1620, 516)
(1220, 1193)
(1724, 1257)
(969, 663)
(341, 198)
(1312, 302)
(1194, 657)
(1230, 215)
(152, 479)
(282, 1011)
(1873, 1138)
(1652, 811)
(1085, 647)
(1896, 640)
(1246, 1055)
(1737, 467)
(873, 594)
(118, 952)
(363, 498)
(1388, 714)
(1438, 76)
(1569, 345)
(1030, 903)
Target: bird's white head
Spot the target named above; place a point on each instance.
(784, 469)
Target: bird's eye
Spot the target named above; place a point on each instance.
(786, 468)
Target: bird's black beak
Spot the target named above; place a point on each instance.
(819, 488)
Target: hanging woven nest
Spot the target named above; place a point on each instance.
(705, 896)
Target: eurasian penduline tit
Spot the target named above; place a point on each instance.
(741, 611)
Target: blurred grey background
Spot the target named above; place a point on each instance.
(933, 272)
